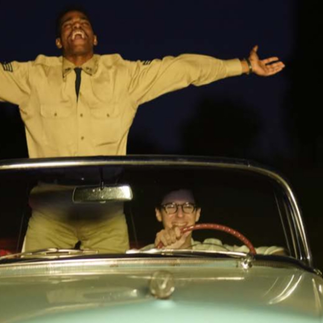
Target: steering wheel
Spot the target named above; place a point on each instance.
(4, 252)
(218, 227)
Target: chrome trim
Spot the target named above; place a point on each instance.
(181, 252)
(247, 262)
(111, 265)
(100, 266)
(162, 284)
(307, 257)
(150, 160)
(159, 160)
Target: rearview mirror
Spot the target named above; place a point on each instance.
(102, 194)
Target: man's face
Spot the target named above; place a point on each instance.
(77, 37)
(179, 218)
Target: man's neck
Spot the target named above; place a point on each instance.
(79, 60)
(188, 242)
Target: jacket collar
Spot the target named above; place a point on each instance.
(90, 67)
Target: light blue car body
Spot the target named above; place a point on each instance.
(207, 290)
(163, 287)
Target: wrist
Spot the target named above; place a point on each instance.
(246, 66)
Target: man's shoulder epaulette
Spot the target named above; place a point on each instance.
(7, 67)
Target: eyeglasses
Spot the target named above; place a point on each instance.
(171, 208)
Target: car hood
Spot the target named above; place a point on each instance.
(114, 291)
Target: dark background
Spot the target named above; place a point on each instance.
(275, 121)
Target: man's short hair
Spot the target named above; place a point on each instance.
(63, 12)
(163, 192)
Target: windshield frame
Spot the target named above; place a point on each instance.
(296, 229)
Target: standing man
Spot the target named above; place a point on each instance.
(83, 104)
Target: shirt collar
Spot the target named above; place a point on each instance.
(90, 67)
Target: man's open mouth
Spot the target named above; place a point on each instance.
(180, 225)
(78, 34)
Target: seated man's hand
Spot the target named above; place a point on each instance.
(172, 238)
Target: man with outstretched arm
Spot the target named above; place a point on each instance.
(83, 104)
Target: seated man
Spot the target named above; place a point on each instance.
(178, 209)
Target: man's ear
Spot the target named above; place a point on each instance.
(197, 215)
(158, 215)
(58, 43)
(95, 40)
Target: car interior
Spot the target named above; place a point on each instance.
(240, 200)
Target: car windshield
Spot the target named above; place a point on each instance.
(247, 202)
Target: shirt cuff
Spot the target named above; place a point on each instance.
(233, 67)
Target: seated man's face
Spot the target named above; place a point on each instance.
(187, 214)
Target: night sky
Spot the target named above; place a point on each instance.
(275, 120)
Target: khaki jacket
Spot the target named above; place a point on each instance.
(97, 123)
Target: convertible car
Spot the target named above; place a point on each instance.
(249, 258)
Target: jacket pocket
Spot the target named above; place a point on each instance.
(106, 125)
(59, 125)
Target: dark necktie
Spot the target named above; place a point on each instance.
(78, 71)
